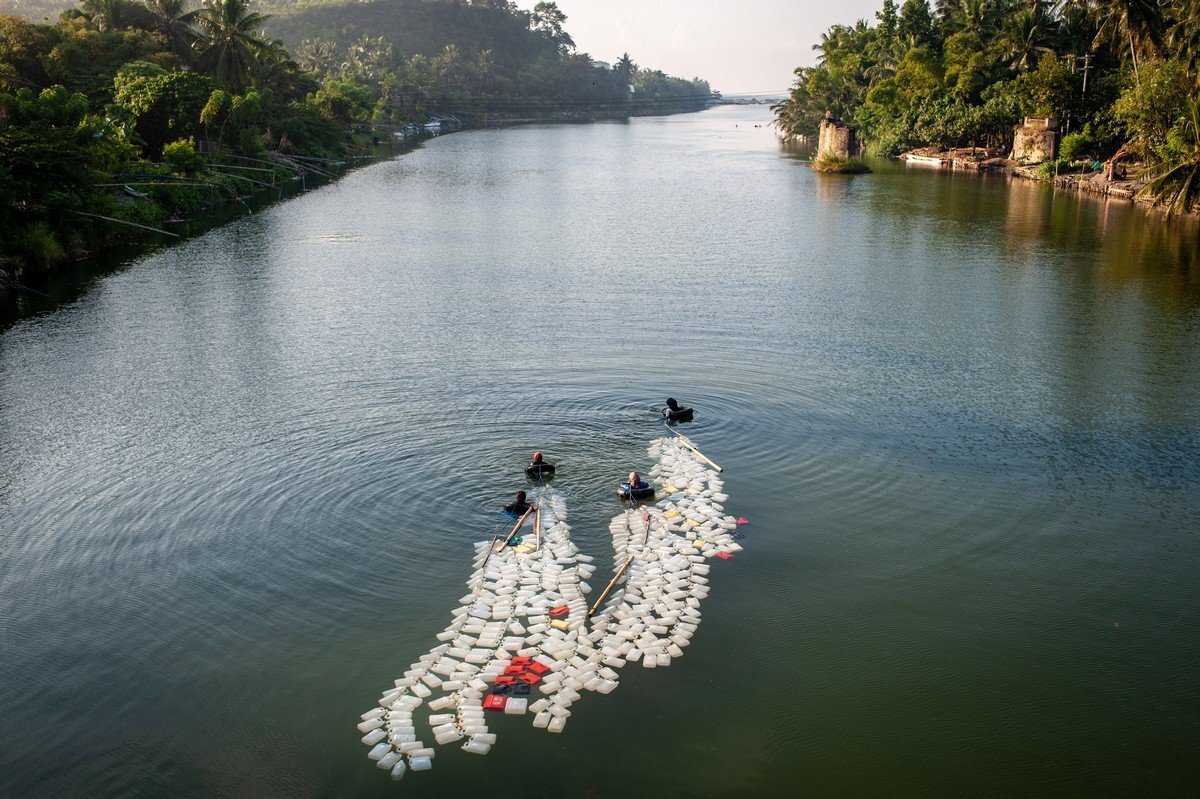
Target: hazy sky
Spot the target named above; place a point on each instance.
(737, 45)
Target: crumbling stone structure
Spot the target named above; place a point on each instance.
(837, 140)
(1035, 142)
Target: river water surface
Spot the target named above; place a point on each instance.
(240, 477)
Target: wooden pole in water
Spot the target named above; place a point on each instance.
(537, 528)
(611, 583)
(520, 523)
(687, 442)
(123, 222)
(491, 548)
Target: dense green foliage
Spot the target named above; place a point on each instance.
(455, 57)
(1119, 74)
(140, 110)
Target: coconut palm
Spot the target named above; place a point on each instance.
(1028, 34)
(1133, 23)
(1175, 183)
(109, 15)
(484, 70)
(317, 55)
(176, 21)
(231, 43)
(1184, 34)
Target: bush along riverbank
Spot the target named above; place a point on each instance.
(123, 118)
(1099, 97)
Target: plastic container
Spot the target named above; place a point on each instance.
(420, 763)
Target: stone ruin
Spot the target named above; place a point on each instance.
(837, 140)
(1035, 142)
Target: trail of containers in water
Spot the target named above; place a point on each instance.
(524, 621)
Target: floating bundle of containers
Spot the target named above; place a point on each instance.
(525, 615)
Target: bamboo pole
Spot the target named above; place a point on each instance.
(491, 548)
(520, 523)
(131, 224)
(537, 528)
(609, 587)
(687, 442)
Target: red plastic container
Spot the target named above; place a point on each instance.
(529, 678)
(521, 661)
(514, 671)
(725, 555)
(540, 669)
(560, 611)
(506, 679)
(494, 702)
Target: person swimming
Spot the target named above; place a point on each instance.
(538, 469)
(674, 413)
(518, 506)
(635, 488)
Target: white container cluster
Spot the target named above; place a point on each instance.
(650, 619)
(505, 614)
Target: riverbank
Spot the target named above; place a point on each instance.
(1081, 178)
(188, 211)
(289, 176)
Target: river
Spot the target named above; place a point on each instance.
(240, 477)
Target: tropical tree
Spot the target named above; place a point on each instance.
(232, 44)
(484, 70)
(625, 69)
(110, 15)
(317, 55)
(1175, 182)
(175, 20)
(1136, 23)
(1028, 34)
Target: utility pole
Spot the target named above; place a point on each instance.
(1087, 66)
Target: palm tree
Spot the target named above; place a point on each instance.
(447, 62)
(173, 19)
(1184, 34)
(1137, 23)
(1028, 34)
(317, 55)
(1175, 182)
(232, 44)
(108, 15)
(484, 70)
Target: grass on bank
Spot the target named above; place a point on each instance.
(840, 166)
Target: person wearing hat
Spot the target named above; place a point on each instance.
(674, 413)
(538, 469)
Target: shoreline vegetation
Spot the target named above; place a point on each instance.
(124, 119)
(1100, 96)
